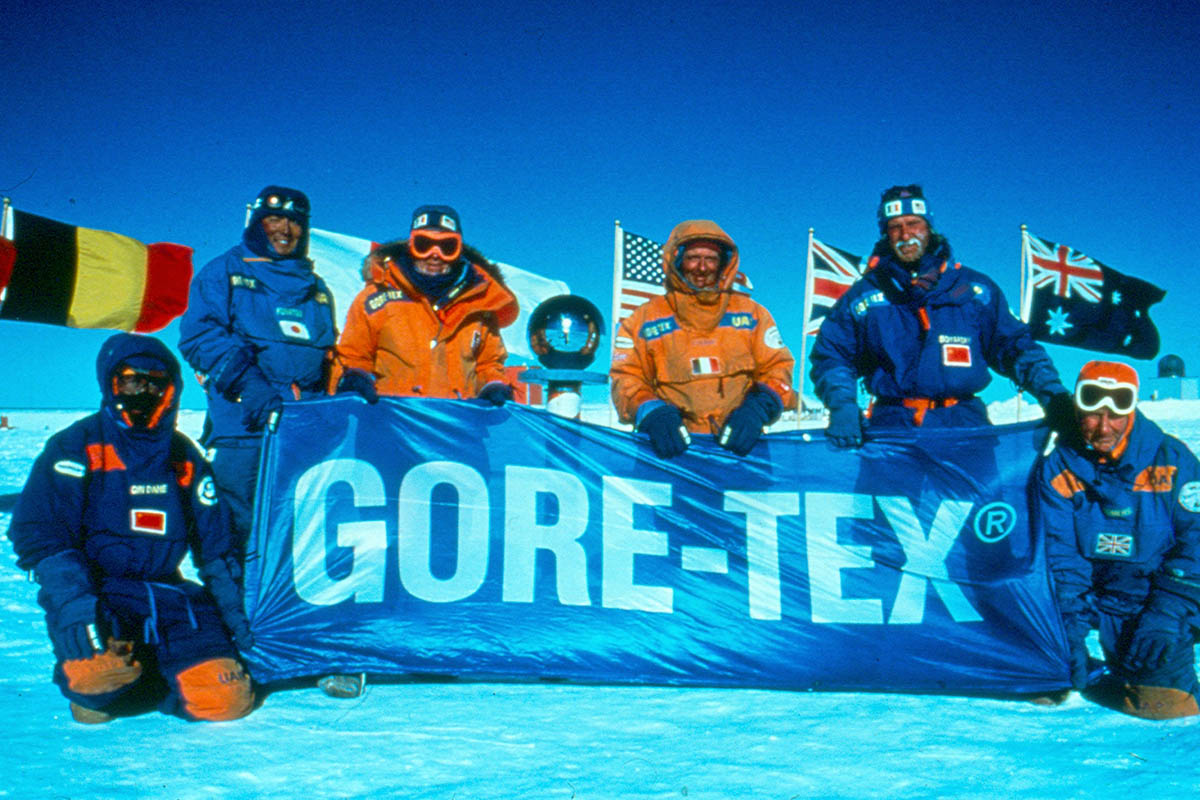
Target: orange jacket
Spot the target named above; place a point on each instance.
(416, 349)
(699, 351)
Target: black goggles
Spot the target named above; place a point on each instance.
(278, 202)
(131, 380)
(1119, 398)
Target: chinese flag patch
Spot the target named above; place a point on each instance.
(148, 520)
(956, 355)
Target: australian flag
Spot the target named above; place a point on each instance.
(1074, 300)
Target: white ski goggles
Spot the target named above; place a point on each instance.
(1094, 394)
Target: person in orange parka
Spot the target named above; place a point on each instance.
(702, 358)
(428, 322)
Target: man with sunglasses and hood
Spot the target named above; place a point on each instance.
(428, 322)
(702, 358)
(259, 329)
(923, 332)
(1119, 511)
(110, 508)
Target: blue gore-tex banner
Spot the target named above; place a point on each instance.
(455, 538)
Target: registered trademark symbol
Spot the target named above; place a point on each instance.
(995, 521)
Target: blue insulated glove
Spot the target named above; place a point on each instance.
(73, 633)
(496, 393)
(664, 426)
(361, 383)
(1060, 413)
(66, 594)
(1155, 632)
(845, 426)
(745, 423)
(259, 400)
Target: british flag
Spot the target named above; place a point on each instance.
(834, 271)
(1069, 271)
(1114, 544)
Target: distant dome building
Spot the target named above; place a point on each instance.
(1170, 366)
(1172, 382)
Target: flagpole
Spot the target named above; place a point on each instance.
(614, 320)
(4, 218)
(808, 292)
(1024, 302)
(249, 211)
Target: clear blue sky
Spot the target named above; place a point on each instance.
(543, 122)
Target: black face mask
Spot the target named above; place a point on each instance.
(140, 407)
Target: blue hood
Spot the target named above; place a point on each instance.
(145, 352)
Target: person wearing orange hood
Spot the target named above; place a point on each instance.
(428, 322)
(702, 358)
(1119, 511)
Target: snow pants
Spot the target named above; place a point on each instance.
(235, 471)
(167, 647)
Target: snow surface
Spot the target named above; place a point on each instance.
(487, 740)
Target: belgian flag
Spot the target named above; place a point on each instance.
(83, 278)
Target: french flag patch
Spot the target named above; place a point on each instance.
(708, 365)
(956, 355)
(148, 520)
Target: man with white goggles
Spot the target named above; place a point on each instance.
(1093, 394)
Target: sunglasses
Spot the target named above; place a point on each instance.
(130, 380)
(1093, 395)
(447, 245)
(281, 203)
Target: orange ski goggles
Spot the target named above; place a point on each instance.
(446, 244)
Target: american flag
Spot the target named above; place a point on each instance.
(1069, 271)
(641, 272)
(833, 272)
(1114, 544)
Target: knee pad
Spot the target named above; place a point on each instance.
(103, 673)
(215, 690)
(1158, 702)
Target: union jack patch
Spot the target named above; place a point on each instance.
(1114, 544)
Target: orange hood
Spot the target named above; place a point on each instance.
(696, 230)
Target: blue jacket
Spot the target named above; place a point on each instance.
(936, 341)
(249, 311)
(107, 505)
(1123, 534)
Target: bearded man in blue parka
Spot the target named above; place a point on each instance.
(258, 330)
(110, 508)
(924, 333)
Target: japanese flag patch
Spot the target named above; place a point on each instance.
(148, 520)
(707, 365)
(294, 329)
(956, 355)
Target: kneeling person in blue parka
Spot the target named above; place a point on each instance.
(110, 508)
(1120, 514)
